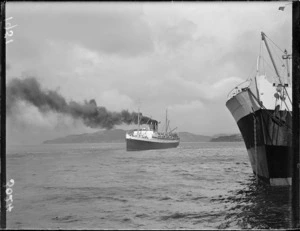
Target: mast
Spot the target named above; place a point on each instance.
(168, 125)
(287, 56)
(166, 120)
(138, 119)
(273, 62)
(173, 129)
(263, 36)
(257, 72)
(139, 105)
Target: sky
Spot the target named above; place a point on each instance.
(184, 57)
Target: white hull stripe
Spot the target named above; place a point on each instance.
(151, 140)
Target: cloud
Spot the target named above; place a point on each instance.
(105, 27)
(200, 118)
(187, 107)
(110, 97)
(184, 55)
(187, 89)
(176, 36)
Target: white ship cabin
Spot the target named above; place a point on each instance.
(149, 130)
(144, 132)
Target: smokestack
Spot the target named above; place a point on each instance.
(93, 116)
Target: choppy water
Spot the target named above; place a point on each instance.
(101, 186)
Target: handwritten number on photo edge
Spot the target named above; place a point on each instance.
(9, 208)
(9, 192)
(9, 18)
(10, 183)
(9, 33)
(10, 198)
(8, 26)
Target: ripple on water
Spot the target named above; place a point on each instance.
(196, 186)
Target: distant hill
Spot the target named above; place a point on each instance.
(190, 137)
(106, 136)
(117, 136)
(228, 138)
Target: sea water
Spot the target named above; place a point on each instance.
(205, 185)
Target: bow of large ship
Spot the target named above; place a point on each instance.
(262, 110)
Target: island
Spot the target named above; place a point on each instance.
(228, 138)
(117, 136)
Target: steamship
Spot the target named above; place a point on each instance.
(262, 109)
(147, 137)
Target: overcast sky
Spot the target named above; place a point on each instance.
(184, 57)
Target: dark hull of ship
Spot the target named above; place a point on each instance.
(138, 144)
(268, 142)
(273, 153)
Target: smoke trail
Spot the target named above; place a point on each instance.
(93, 116)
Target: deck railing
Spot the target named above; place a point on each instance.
(238, 88)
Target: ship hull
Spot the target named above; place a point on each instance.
(268, 142)
(145, 144)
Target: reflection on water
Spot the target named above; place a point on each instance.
(258, 206)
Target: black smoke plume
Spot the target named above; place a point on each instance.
(93, 116)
